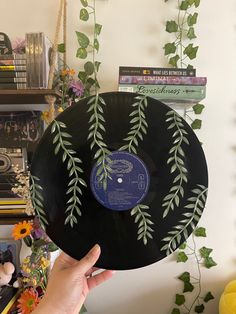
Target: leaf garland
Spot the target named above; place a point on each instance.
(61, 140)
(37, 199)
(176, 160)
(96, 129)
(196, 203)
(139, 125)
(144, 223)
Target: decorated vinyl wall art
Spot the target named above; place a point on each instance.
(121, 170)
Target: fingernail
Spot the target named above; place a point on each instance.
(95, 250)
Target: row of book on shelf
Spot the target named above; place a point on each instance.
(27, 70)
(169, 85)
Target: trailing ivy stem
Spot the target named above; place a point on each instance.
(139, 126)
(94, 37)
(199, 275)
(188, 223)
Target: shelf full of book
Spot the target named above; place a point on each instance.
(26, 96)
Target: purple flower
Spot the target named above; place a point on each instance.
(77, 87)
(38, 232)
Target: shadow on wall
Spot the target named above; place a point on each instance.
(161, 301)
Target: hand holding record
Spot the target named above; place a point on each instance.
(121, 170)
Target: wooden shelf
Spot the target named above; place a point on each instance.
(26, 96)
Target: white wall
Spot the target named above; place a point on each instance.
(133, 34)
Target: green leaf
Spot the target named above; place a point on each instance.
(82, 39)
(84, 15)
(81, 53)
(188, 287)
(185, 277)
(192, 19)
(83, 310)
(191, 51)
(169, 48)
(200, 232)
(209, 262)
(84, 2)
(208, 297)
(175, 310)
(98, 28)
(205, 252)
(171, 26)
(182, 257)
(198, 108)
(82, 75)
(183, 246)
(197, 3)
(191, 33)
(184, 5)
(61, 48)
(199, 308)
(179, 299)
(96, 44)
(173, 61)
(97, 65)
(89, 68)
(196, 124)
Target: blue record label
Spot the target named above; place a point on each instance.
(129, 183)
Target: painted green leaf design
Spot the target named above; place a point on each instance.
(196, 124)
(192, 19)
(174, 60)
(62, 144)
(84, 2)
(191, 33)
(37, 199)
(199, 308)
(142, 218)
(176, 161)
(191, 51)
(200, 232)
(175, 311)
(138, 123)
(180, 232)
(82, 39)
(182, 257)
(81, 53)
(98, 28)
(96, 131)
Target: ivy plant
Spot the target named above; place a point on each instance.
(89, 47)
(192, 298)
(181, 50)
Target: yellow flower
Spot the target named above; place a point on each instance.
(45, 263)
(21, 230)
(60, 109)
(28, 301)
(72, 72)
(64, 72)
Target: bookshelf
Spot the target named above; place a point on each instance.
(26, 96)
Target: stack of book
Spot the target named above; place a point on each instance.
(38, 49)
(12, 207)
(169, 85)
(13, 71)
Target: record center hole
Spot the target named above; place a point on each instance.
(119, 180)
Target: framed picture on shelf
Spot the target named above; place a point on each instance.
(20, 129)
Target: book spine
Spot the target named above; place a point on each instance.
(126, 70)
(12, 67)
(13, 62)
(12, 86)
(13, 56)
(12, 74)
(12, 79)
(170, 92)
(165, 80)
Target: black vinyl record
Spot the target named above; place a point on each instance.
(121, 170)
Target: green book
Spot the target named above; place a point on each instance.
(168, 93)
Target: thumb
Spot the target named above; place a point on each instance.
(89, 259)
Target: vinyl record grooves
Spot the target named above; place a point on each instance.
(129, 170)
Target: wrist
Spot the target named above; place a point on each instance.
(45, 306)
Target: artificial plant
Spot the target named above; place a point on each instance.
(180, 52)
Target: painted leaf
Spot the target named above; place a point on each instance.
(169, 48)
(198, 108)
(84, 15)
(82, 39)
(179, 299)
(171, 26)
(208, 297)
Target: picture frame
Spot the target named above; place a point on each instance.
(10, 252)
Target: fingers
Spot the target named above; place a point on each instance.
(90, 271)
(87, 262)
(99, 278)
